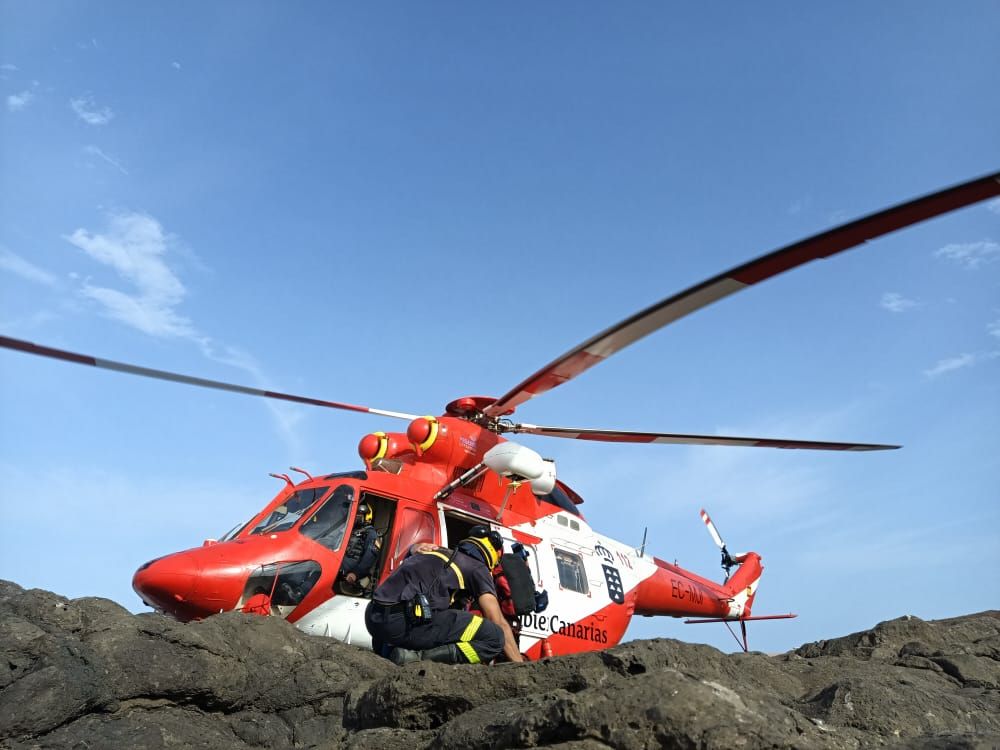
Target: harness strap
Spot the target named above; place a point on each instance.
(449, 562)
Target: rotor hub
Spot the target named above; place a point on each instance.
(473, 409)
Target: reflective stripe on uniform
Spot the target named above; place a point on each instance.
(458, 572)
(468, 652)
(471, 629)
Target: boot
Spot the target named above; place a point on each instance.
(400, 656)
(446, 654)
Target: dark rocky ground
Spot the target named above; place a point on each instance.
(88, 674)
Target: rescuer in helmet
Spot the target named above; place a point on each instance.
(411, 610)
(516, 591)
(362, 549)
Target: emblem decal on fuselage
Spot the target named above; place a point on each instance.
(616, 591)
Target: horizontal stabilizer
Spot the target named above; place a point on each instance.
(740, 619)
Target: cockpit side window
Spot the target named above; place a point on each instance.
(290, 511)
(328, 524)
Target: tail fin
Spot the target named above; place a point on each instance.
(743, 585)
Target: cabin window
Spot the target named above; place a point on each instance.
(290, 511)
(572, 574)
(328, 523)
(414, 526)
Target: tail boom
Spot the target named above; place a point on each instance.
(673, 591)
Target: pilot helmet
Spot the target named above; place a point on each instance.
(364, 514)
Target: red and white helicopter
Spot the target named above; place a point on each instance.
(444, 474)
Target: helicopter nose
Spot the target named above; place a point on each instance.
(169, 584)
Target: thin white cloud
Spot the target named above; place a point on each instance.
(994, 205)
(18, 266)
(951, 364)
(971, 255)
(88, 111)
(838, 217)
(797, 206)
(149, 315)
(176, 65)
(135, 246)
(9, 67)
(27, 322)
(95, 151)
(895, 302)
(993, 329)
(17, 102)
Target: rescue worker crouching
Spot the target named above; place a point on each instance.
(516, 590)
(362, 550)
(411, 610)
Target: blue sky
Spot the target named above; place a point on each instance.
(400, 204)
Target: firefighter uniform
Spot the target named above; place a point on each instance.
(361, 553)
(438, 575)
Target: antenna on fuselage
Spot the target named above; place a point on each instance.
(282, 476)
(642, 548)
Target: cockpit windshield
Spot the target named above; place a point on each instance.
(290, 511)
(231, 534)
(328, 523)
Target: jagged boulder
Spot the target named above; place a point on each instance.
(89, 670)
(86, 673)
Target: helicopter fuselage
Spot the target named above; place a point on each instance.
(293, 548)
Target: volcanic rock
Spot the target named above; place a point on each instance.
(85, 673)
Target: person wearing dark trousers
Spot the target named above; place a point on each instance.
(362, 548)
(411, 611)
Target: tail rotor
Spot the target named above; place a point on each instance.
(728, 561)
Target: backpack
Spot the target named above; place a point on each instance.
(522, 585)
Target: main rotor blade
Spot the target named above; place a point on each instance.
(598, 348)
(624, 436)
(146, 372)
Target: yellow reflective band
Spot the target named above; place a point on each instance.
(432, 436)
(458, 572)
(383, 445)
(488, 552)
(468, 652)
(471, 629)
